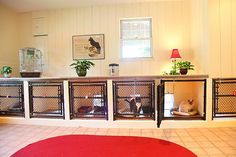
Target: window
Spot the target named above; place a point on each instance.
(135, 38)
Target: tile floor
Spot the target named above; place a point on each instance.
(205, 142)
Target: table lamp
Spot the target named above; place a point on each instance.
(175, 54)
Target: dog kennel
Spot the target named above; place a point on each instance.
(224, 97)
(46, 99)
(88, 100)
(134, 100)
(11, 98)
(182, 99)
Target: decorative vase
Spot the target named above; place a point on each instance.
(183, 71)
(81, 72)
(6, 75)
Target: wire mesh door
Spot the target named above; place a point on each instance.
(224, 98)
(11, 98)
(134, 100)
(88, 100)
(160, 103)
(46, 99)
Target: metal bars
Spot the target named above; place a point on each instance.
(11, 98)
(224, 97)
(46, 99)
(88, 100)
(134, 99)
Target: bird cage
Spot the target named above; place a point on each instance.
(30, 62)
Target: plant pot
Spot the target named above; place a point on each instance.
(81, 72)
(183, 71)
(6, 75)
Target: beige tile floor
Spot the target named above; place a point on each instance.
(205, 142)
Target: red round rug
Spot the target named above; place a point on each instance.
(103, 146)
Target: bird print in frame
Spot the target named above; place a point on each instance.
(88, 46)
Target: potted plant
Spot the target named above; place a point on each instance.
(81, 66)
(173, 71)
(6, 71)
(184, 66)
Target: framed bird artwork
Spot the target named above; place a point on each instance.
(88, 46)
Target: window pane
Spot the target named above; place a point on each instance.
(135, 29)
(135, 36)
(135, 48)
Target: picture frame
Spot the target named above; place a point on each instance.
(89, 46)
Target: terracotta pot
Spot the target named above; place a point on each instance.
(183, 71)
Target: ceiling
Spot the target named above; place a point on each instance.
(34, 5)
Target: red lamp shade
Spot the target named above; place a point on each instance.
(175, 54)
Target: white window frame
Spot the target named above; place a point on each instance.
(151, 39)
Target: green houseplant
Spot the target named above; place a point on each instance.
(81, 66)
(184, 66)
(6, 71)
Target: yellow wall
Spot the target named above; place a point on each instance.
(171, 23)
(222, 38)
(187, 91)
(204, 31)
(9, 39)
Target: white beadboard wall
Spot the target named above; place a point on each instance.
(204, 31)
(171, 22)
(222, 38)
(199, 36)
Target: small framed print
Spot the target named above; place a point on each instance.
(88, 46)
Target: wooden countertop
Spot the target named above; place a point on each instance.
(148, 77)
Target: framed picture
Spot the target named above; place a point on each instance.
(88, 46)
